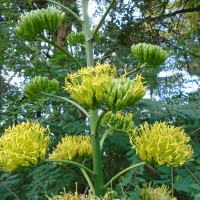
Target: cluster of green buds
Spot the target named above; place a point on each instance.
(160, 193)
(118, 121)
(151, 55)
(87, 85)
(161, 144)
(123, 92)
(72, 148)
(78, 38)
(32, 25)
(23, 145)
(40, 84)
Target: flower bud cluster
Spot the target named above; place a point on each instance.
(78, 38)
(118, 121)
(161, 144)
(123, 92)
(40, 84)
(72, 147)
(160, 193)
(33, 24)
(152, 55)
(23, 145)
(86, 85)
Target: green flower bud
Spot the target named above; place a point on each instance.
(123, 92)
(23, 145)
(33, 24)
(118, 121)
(152, 55)
(40, 84)
(161, 144)
(73, 147)
(78, 38)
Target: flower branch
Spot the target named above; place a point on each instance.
(122, 172)
(103, 18)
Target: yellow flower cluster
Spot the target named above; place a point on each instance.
(23, 145)
(72, 147)
(118, 121)
(86, 85)
(161, 144)
(75, 196)
(160, 193)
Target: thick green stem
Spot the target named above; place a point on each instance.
(95, 136)
(88, 34)
(97, 157)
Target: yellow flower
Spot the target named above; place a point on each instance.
(72, 147)
(160, 193)
(86, 85)
(161, 144)
(23, 145)
(73, 196)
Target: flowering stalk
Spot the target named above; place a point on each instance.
(97, 159)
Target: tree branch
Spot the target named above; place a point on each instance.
(160, 17)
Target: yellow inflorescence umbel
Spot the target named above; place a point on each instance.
(72, 147)
(86, 85)
(23, 145)
(161, 144)
(161, 193)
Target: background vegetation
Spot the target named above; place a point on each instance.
(173, 92)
